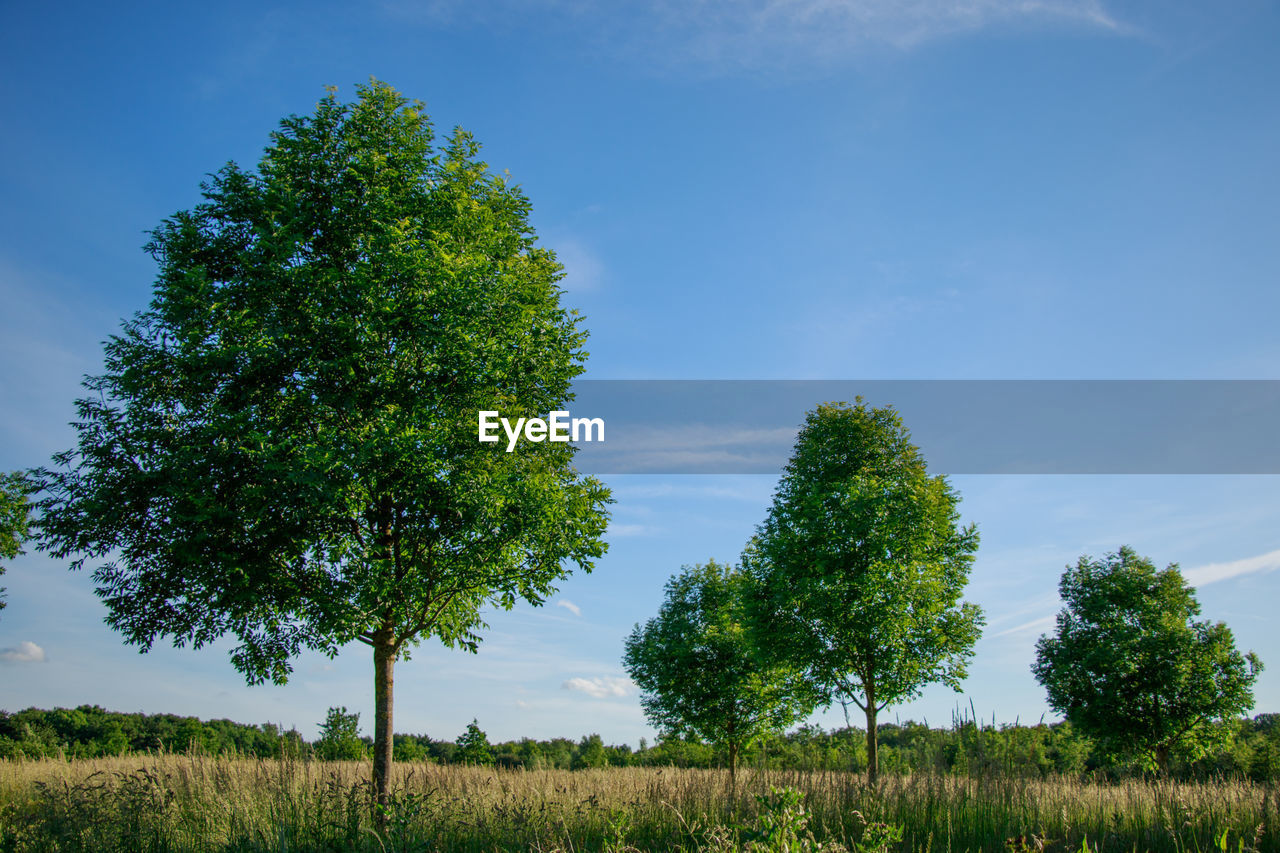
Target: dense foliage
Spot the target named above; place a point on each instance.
(697, 669)
(90, 731)
(1130, 666)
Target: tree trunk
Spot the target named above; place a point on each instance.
(733, 764)
(1162, 760)
(873, 760)
(384, 661)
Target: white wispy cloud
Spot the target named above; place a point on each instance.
(1214, 572)
(732, 35)
(1035, 625)
(752, 34)
(25, 652)
(600, 687)
(570, 606)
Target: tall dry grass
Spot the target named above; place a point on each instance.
(200, 803)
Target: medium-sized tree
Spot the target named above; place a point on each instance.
(282, 447)
(698, 670)
(860, 566)
(473, 746)
(340, 737)
(15, 508)
(1130, 667)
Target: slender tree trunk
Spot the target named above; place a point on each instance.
(873, 758)
(384, 661)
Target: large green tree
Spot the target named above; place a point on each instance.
(15, 508)
(861, 563)
(1130, 667)
(283, 446)
(698, 670)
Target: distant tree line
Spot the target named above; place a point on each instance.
(93, 732)
(1245, 748)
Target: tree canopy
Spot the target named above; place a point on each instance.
(698, 671)
(340, 737)
(1129, 666)
(861, 563)
(282, 446)
(473, 746)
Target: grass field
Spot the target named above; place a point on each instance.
(197, 803)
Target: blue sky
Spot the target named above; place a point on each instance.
(790, 189)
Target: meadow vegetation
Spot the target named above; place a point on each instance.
(204, 803)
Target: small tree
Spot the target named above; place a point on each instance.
(282, 447)
(860, 566)
(698, 672)
(15, 490)
(340, 737)
(473, 746)
(590, 753)
(1130, 667)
